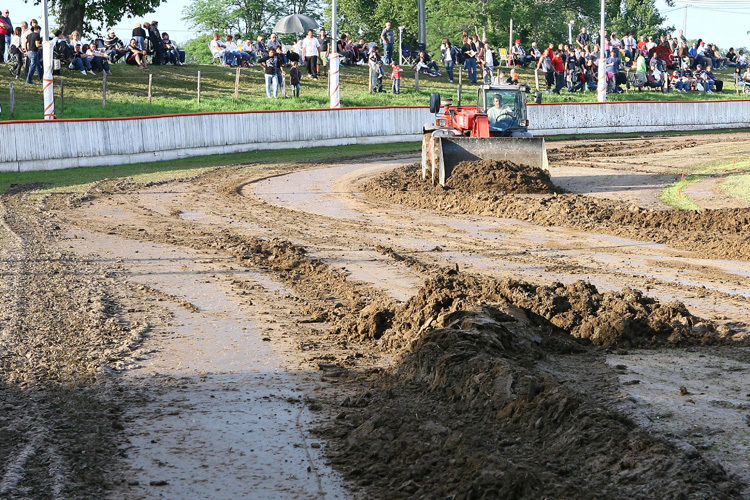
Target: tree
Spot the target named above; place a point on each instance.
(639, 16)
(88, 16)
(248, 17)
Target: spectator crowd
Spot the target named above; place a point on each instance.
(648, 61)
(21, 49)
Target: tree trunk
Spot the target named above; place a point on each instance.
(70, 15)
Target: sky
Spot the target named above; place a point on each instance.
(723, 22)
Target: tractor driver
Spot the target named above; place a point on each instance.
(500, 116)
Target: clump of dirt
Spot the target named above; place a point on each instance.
(624, 318)
(487, 176)
(467, 414)
(610, 319)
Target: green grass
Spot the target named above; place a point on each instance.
(76, 180)
(737, 186)
(174, 91)
(673, 195)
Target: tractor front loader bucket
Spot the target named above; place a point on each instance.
(442, 154)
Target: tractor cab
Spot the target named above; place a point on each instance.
(505, 108)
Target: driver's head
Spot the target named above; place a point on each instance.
(497, 100)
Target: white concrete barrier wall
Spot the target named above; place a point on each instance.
(596, 118)
(48, 145)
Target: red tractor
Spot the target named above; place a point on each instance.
(496, 128)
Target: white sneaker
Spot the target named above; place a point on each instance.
(709, 92)
(91, 72)
(83, 72)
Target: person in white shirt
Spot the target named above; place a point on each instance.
(218, 50)
(310, 54)
(233, 49)
(650, 44)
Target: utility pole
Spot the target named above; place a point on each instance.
(48, 91)
(684, 22)
(601, 88)
(334, 92)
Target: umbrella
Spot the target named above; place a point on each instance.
(295, 23)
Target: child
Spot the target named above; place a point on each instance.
(396, 76)
(294, 77)
(372, 60)
(379, 76)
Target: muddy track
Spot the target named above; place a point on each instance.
(61, 327)
(373, 307)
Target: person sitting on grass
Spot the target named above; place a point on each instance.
(136, 55)
(704, 80)
(718, 84)
(171, 55)
(114, 47)
(680, 85)
(99, 60)
(85, 61)
(425, 64)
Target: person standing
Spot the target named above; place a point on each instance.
(396, 76)
(140, 36)
(34, 51)
(310, 54)
(470, 59)
(325, 46)
(294, 78)
(6, 31)
(446, 51)
(271, 65)
(583, 39)
(155, 38)
(387, 37)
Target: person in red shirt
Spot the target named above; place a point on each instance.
(559, 66)
(396, 76)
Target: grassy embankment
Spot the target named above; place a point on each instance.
(174, 91)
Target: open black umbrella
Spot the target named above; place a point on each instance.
(295, 23)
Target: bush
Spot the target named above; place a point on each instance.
(197, 49)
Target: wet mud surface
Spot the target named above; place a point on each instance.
(353, 332)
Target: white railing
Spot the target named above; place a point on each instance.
(48, 145)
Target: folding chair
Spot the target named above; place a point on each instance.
(504, 58)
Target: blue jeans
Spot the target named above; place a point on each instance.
(396, 86)
(470, 65)
(100, 64)
(34, 65)
(76, 64)
(387, 53)
(272, 86)
(295, 89)
(141, 42)
(449, 70)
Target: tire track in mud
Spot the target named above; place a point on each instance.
(62, 329)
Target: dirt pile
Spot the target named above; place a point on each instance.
(468, 414)
(490, 176)
(719, 232)
(611, 319)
